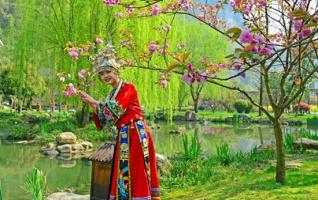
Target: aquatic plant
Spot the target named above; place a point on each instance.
(35, 184)
(191, 151)
(224, 154)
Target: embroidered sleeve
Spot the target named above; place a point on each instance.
(107, 114)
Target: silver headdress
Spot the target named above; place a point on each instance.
(105, 57)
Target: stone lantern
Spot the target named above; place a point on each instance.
(101, 171)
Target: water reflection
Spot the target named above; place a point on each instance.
(16, 161)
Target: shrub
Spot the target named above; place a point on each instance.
(242, 106)
(302, 107)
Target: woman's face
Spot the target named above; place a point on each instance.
(109, 76)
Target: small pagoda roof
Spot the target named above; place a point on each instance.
(104, 153)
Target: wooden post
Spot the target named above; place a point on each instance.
(101, 172)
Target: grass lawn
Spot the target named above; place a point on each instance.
(302, 183)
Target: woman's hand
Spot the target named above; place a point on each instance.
(88, 99)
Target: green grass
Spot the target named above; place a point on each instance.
(222, 116)
(302, 183)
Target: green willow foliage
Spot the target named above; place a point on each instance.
(36, 32)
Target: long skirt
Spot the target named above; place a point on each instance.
(134, 172)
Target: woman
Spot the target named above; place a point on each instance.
(134, 174)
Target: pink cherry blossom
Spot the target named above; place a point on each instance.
(152, 47)
(81, 74)
(71, 89)
(266, 50)
(74, 54)
(155, 10)
(297, 25)
(99, 40)
(246, 37)
(111, 3)
(129, 10)
(188, 79)
(164, 83)
(119, 15)
(162, 52)
(237, 65)
(306, 32)
(185, 4)
(190, 67)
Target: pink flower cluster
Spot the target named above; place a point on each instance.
(256, 44)
(163, 79)
(73, 54)
(155, 10)
(83, 74)
(99, 40)
(301, 32)
(194, 76)
(70, 90)
(185, 4)
(111, 3)
(153, 47)
(247, 6)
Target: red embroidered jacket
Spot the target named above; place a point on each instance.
(120, 111)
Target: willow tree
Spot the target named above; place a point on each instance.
(277, 37)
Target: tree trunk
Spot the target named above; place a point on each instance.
(195, 105)
(260, 95)
(84, 116)
(280, 166)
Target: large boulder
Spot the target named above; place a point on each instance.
(67, 196)
(65, 148)
(163, 164)
(77, 148)
(87, 145)
(66, 138)
(305, 143)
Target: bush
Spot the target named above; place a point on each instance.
(243, 106)
(302, 107)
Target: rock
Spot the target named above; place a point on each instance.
(87, 145)
(163, 164)
(67, 196)
(191, 116)
(77, 147)
(25, 142)
(305, 143)
(49, 152)
(66, 138)
(65, 148)
(265, 147)
(49, 146)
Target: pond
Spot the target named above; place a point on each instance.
(17, 161)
